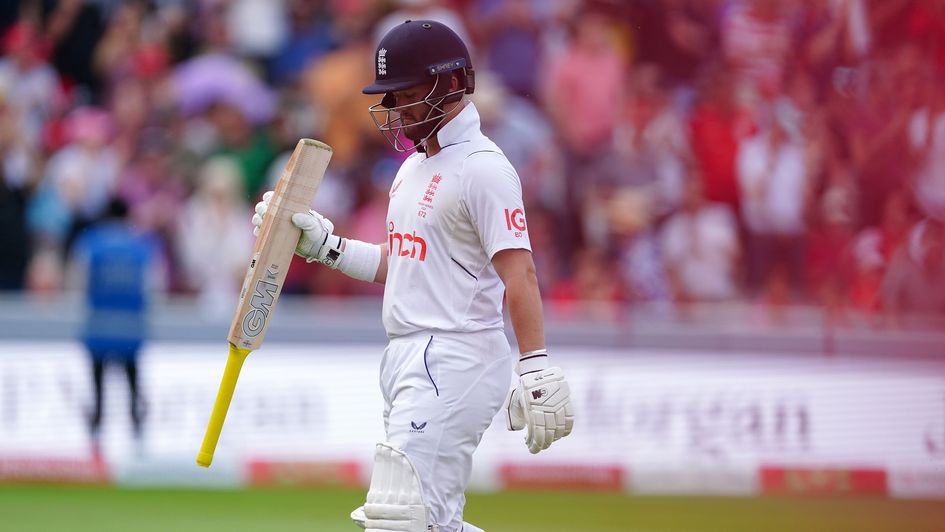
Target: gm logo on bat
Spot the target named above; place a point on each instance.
(263, 295)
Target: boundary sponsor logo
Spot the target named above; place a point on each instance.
(777, 480)
(585, 477)
(55, 470)
(304, 473)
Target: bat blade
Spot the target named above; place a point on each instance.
(276, 242)
(268, 266)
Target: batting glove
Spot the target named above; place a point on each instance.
(540, 402)
(316, 242)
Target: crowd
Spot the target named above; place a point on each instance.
(670, 151)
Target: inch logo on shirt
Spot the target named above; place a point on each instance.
(515, 220)
(408, 244)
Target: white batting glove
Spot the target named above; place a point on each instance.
(261, 209)
(540, 402)
(316, 242)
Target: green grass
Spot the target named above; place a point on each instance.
(83, 508)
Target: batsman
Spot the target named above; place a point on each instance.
(457, 241)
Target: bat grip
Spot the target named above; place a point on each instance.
(234, 363)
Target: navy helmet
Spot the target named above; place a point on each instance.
(414, 53)
(418, 51)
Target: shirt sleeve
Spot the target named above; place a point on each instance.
(493, 197)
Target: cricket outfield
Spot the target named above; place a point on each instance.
(28, 508)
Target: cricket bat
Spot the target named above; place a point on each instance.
(268, 266)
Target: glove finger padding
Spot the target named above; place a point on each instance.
(514, 409)
(262, 207)
(260, 212)
(546, 399)
(568, 415)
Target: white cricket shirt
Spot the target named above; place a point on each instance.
(448, 215)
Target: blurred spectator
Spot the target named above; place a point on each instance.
(775, 191)
(178, 30)
(927, 140)
(310, 36)
(252, 148)
(74, 28)
(831, 263)
(511, 32)
(79, 178)
(45, 273)
(32, 85)
(915, 280)
(713, 128)
(632, 236)
(258, 29)
(152, 186)
(118, 269)
(129, 99)
(582, 92)
(872, 250)
(831, 34)
(133, 108)
(701, 248)
(594, 290)
(17, 162)
(756, 42)
(919, 21)
(333, 87)
(213, 243)
(868, 267)
(650, 141)
(217, 78)
(114, 56)
(677, 35)
(878, 129)
(585, 86)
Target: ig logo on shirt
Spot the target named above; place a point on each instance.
(515, 221)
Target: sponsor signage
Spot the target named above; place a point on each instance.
(646, 421)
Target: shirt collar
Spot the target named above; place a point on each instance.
(460, 128)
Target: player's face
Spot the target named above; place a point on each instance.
(412, 114)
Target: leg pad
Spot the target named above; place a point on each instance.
(395, 499)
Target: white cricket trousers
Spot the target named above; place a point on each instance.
(441, 391)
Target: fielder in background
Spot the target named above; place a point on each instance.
(457, 240)
(118, 267)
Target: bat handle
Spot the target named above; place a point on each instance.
(234, 363)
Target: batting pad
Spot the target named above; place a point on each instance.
(395, 498)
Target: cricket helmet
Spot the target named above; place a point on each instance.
(415, 53)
